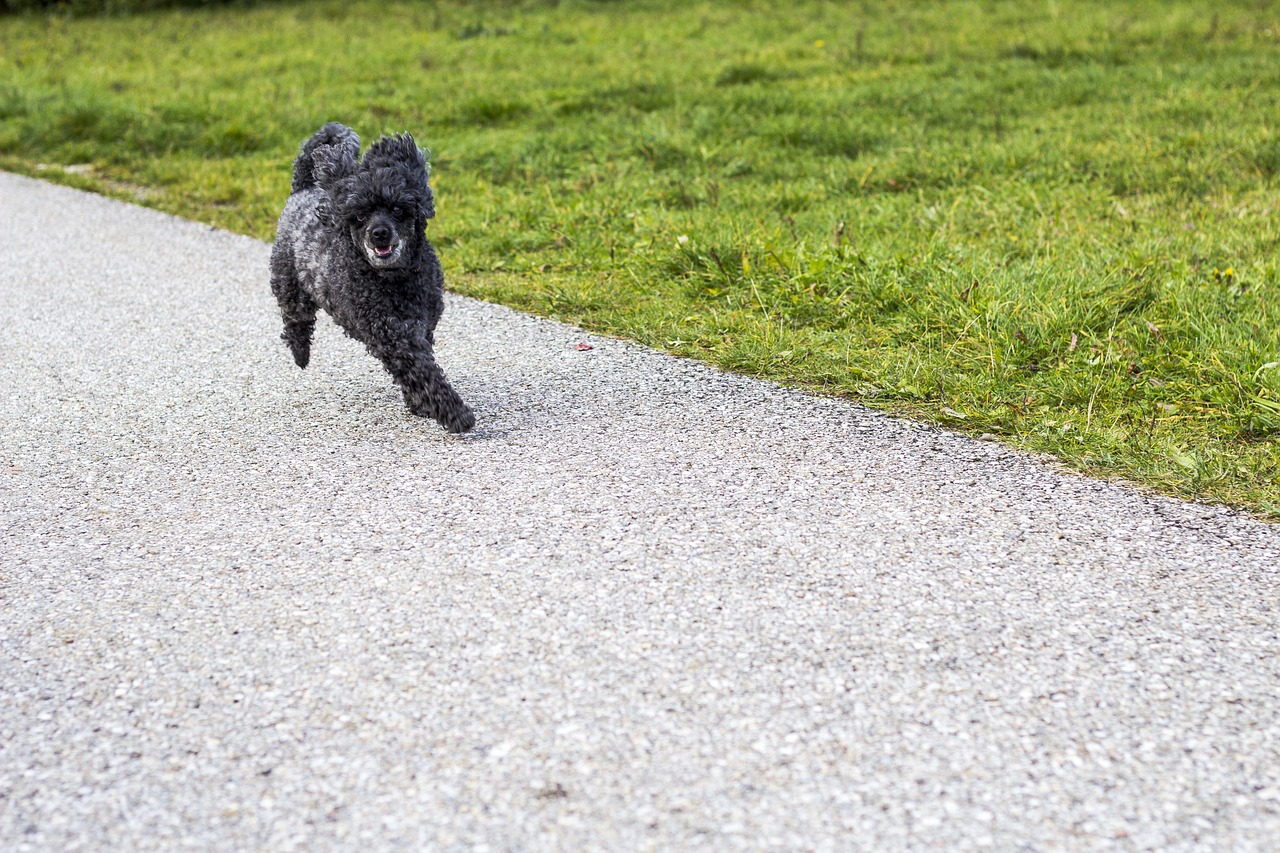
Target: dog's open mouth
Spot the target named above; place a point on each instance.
(382, 254)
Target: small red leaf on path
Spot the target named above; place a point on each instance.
(585, 347)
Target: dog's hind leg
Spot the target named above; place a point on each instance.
(426, 389)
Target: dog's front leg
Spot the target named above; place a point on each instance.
(426, 389)
(297, 308)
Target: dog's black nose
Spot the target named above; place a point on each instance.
(380, 234)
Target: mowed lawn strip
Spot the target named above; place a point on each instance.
(1055, 223)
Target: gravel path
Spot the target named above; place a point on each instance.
(646, 605)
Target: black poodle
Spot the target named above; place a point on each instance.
(351, 241)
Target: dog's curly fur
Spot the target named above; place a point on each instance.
(351, 240)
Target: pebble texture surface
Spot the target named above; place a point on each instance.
(645, 605)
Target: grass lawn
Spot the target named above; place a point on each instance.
(1050, 221)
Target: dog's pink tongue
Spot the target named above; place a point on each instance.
(382, 250)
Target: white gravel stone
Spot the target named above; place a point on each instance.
(645, 605)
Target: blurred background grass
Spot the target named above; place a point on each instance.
(1052, 222)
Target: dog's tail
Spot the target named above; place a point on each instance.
(324, 156)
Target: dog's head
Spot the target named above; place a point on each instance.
(384, 202)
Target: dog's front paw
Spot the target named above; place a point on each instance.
(298, 337)
(460, 420)
(457, 418)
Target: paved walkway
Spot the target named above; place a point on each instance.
(645, 605)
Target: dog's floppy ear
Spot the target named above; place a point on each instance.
(428, 201)
(333, 166)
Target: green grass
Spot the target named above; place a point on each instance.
(1054, 222)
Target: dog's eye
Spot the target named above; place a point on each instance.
(397, 211)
